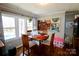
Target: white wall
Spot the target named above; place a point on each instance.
(62, 22)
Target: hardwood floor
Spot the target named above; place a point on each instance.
(44, 51)
(34, 51)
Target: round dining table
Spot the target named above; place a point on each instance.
(39, 38)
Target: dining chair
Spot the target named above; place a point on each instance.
(27, 44)
(50, 44)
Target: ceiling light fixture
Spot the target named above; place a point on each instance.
(43, 3)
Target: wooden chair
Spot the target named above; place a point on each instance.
(50, 44)
(26, 44)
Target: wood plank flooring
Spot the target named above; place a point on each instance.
(44, 51)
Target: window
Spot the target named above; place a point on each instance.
(22, 26)
(14, 27)
(29, 24)
(8, 27)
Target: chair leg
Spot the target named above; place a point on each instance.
(23, 51)
(28, 52)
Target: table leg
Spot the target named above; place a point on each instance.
(39, 48)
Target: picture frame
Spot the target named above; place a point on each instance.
(55, 24)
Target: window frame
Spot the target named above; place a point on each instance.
(28, 19)
(22, 25)
(4, 28)
(16, 17)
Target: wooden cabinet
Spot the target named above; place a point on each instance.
(76, 44)
(1, 48)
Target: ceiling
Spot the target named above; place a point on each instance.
(48, 9)
(37, 9)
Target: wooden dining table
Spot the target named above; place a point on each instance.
(39, 38)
